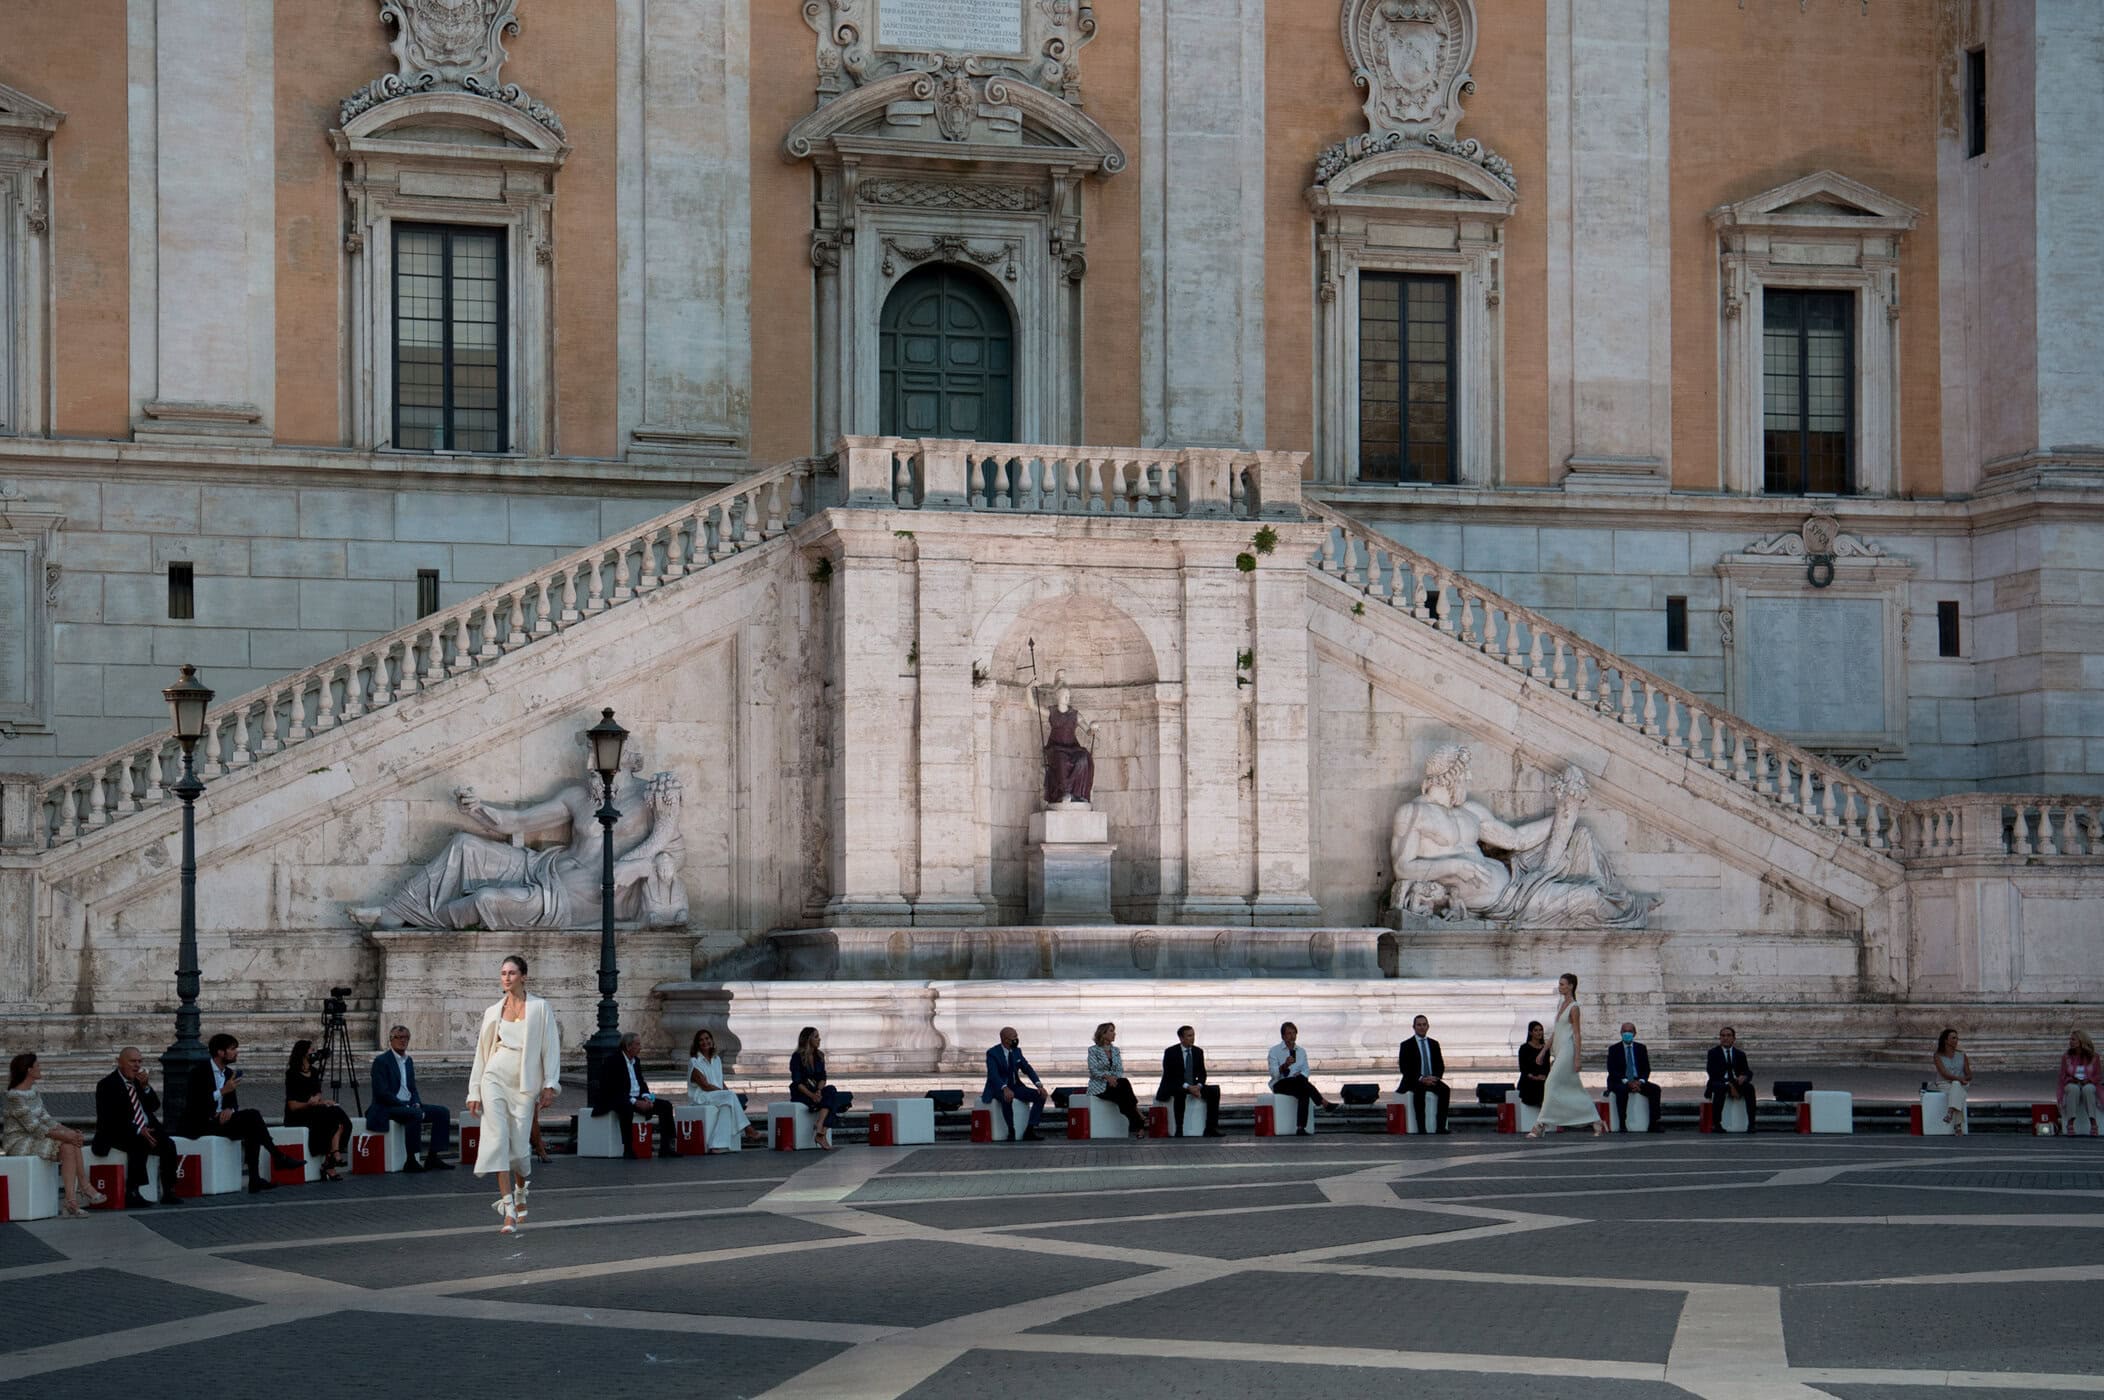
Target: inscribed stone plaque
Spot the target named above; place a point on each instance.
(15, 579)
(951, 26)
(1815, 666)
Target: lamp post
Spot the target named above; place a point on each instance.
(188, 699)
(607, 739)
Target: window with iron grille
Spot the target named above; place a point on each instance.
(1406, 377)
(449, 339)
(1808, 392)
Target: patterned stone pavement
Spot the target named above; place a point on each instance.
(1865, 1268)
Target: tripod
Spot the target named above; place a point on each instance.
(336, 1049)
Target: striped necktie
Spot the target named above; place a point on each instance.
(138, 1111)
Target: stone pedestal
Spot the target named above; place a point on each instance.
(439, 983)
(1070, 850)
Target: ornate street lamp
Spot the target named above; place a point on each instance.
(607, 739)
(188, 699)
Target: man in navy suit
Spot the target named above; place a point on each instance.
(1629, 1069)
(395, 1100)
(1006, 1069)
(1183, 1079)
(1730, 1076)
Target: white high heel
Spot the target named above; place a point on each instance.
(503, 1206)
(518, 1201)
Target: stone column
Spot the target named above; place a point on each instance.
(1202, 217)
(1610, 350)
(203, 219)
(1280, 674)
(1215, 613)
(869, 732)
(949, 785)
(686, 241)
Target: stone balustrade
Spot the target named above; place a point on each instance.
(1407, 583)
(1996, 824)
(1035, 478)
(452, 641)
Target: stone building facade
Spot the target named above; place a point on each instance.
(1750, 343)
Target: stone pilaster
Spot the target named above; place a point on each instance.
(948, 775)
(1215, 620)
(870, 733)
(1280, 674)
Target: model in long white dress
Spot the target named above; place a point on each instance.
(507, 1107)
(1564, 1102)
(722, 1116)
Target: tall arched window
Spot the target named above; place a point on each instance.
(946, 358)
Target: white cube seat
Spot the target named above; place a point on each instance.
(1639, 1114)
(1194, 1117)
(32, 1187)
(1730, 1116)
(216, 1160)
(1012, 1124)
(1833, 1110)
(1934, 1104)
(389, 1149)
(287, 1139)
(1285, 1114)
(1106, 1120)
(1524, 1114)
(912, 1120)
(805, 1124)
(598, 1134)
(149, 1188)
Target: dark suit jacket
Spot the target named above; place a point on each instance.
(610, 1089)
(1006, 1069)
(387, 1089)
(1173, 1081)
(1618, 1066)
(197, 1101)
(113, 1114)
(1721, 1067)
(1406, 1061)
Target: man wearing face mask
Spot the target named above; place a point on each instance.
(1629, 1069)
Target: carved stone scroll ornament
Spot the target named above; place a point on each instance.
(948, 247)
(1411, 58)
(1343, 155)
(1819, 542)
(852, 51)
(1453, 859)
(449, 46)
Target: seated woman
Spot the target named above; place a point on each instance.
(29, 1130)
(1107, 1077)
(1953, 1075)
(722, 1116)
(807, 1085)
(328, 1126)
(2079, 1081)
(1533, 1073)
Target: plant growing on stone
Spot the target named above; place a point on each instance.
(822, 573)
(1247, 563)
(1264, 540)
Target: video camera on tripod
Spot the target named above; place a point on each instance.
(335, 1048)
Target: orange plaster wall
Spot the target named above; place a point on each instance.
(567, 56)
(326, 50)
(783, 80)
(71, 55)
(1110, 296)
(1311, 104)
(1761, 96)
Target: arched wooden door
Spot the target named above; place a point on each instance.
(946, 358)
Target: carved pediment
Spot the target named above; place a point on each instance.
(1825, 199)
(949, 115)
(987, 45)
(19, 112)
(449, 47)
(1423, 169)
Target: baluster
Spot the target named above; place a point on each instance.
(1827, 814)
(901, 482)
(1513, 656)
(129, 792)
(1444, 604)
(1534, 666)
(1629, 715)
(1585, 674)
(81, 798)
(1720, 758)
(296, 730)
(1671, 727)
(1417, 595)
(1151, 485)
(1650, 725)
(1738, 757)
(1067, 481)
(649, 577)
(103, 803)
(1329, 553)
(269, 744)
(325, 702)
(1851, 822)
(595, 600)
(1558, 680)
(1468, 617)
(624, 581)
(387, 687)
(739, 519)
(2048, 845)
(353, 692)
(1805, 806)
(1875, 816)
(676, 547)
(515, 634)
(2081, 832)
(1763, 783)
(488, 650)
(237, 735)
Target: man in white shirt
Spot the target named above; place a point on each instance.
(396, 1100)
(1289, 1075)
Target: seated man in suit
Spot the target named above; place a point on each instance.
(395, 1100)
(127, 1120)
(1629, 1068)
(1730, 1076)
(1006, 1069)
(1424, 1072)
(1183, 1079)
(211, 1108)
(620, 1089)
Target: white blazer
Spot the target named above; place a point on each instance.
(541, 1059)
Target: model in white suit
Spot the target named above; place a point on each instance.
(518, 1068)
